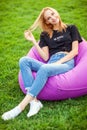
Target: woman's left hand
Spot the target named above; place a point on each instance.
(57, 62)
(29, 36)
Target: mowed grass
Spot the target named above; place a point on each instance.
(15, 17)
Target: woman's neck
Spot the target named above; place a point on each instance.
(56, 27)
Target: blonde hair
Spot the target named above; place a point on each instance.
(41, 22)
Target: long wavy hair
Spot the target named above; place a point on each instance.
(41, 22)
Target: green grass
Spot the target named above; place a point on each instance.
(17, 16)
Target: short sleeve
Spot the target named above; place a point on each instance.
(75, 35)
(42, 42)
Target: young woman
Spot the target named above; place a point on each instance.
(58, 46)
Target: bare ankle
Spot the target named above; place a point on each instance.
(35, 99)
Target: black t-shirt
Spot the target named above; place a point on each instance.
(60, 41)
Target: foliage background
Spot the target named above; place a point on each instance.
(15, 17)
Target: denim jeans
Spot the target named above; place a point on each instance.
(44, 71)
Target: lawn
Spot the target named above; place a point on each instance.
(16, 16)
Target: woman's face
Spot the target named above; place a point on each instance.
(51, 17)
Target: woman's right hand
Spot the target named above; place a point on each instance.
(29, 36)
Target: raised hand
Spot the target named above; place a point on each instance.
(29, 36)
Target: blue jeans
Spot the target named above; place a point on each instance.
(44, 71)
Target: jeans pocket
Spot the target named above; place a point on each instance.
(56, 57)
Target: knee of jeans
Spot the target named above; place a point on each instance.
(43, 69)
(23, 60)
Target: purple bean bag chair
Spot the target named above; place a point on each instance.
(68, 85)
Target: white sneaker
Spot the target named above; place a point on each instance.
(11, 114)
(35, 106)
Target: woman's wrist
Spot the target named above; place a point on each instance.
(34, 42)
